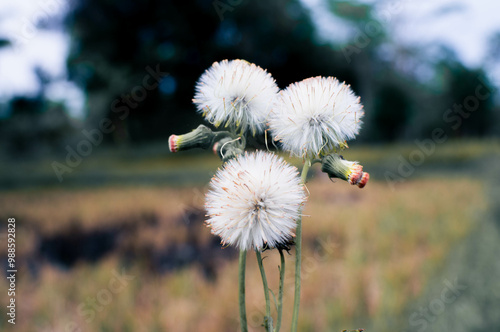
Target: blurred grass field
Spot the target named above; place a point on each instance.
(369, 254)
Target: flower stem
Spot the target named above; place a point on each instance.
(241, 276)
(298, 256)
(280, 295)
(268, 321)
(305, 170)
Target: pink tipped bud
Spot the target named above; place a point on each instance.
(172, 143)
(337, 167)
(364, 180)
(201, 137)
(356, 174)
(215, 148)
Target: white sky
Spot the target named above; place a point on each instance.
(465, 27)
(32, 48)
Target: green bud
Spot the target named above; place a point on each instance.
(201, 137)
(337, 167)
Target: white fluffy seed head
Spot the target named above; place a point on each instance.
(254, 201)
(314, 116)
(237, 94)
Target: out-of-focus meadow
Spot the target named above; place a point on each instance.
(136, 256)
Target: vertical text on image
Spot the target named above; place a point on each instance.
(11, 269)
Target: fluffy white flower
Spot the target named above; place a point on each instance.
(312, 117)
(254, 201)
(235, 93)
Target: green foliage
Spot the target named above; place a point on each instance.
(113, 42)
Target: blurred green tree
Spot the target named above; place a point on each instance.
(138, 63)
(114, 41)
(465, 90)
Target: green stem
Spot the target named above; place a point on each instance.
(305, 170)
(268, 321)
(241, 276)
(298, 256)
(280, 295)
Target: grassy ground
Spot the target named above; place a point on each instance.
(368, 254)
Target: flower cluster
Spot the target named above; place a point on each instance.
(247, 203)
(255, 199)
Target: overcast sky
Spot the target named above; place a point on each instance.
(463, 25)
(32, 47)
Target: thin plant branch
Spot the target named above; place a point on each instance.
(241, 286)
(298, 256)
(268, 320)
(280, 292)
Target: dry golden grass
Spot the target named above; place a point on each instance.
(50, 209)
(366, 253)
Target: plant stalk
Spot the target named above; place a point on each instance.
(280, 294)
(298, 256)
(268, 321)
(241, 286)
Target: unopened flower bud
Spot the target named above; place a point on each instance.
(227, 148)
(201, 137)
(337, 167)
(364, 180)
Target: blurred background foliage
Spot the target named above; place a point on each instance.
(112, 43)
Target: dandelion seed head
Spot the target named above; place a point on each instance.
(314, 116)
(254, 201)
(237, 94)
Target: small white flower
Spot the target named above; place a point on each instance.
(312, 117)
(254, 201)
(235, 93)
